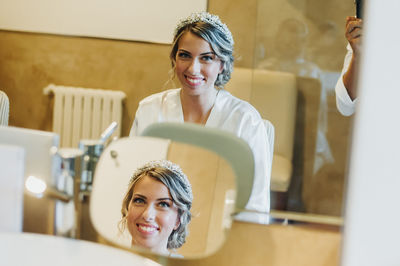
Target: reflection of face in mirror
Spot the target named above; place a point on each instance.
(202, 59)
(156, 207)
(152, 204)
(152, 215)
(202, 74)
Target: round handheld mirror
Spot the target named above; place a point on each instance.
(212, 178)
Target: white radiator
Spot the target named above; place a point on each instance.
(81, 113)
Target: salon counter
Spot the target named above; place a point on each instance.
(275, 245)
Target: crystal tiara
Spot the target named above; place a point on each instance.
(207, 18)
(176, 169)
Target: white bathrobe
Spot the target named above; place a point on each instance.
(344, 103)
(229, 113)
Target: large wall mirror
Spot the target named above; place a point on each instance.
(295, 48)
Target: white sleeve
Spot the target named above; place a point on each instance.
(147, 113)
(255, 135)
(345, 105)
(141, 119)
(135, 125)
(134, 128)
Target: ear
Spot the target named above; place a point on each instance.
(177, 223)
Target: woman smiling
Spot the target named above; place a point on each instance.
(156, 207)
(202, 60)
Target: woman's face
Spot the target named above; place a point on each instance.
(196, 64)
(152, 215)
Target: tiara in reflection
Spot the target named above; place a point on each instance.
(176, 169)
(207, 18)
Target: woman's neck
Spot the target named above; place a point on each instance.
(197, 108)
(157, 249)
(163, 251)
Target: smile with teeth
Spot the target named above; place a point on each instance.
(147, 228)
(194, 81)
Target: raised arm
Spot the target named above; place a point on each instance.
(353, 35)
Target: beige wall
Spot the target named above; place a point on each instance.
(29, 62)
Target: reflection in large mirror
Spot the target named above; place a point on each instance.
(211, 177)
(297, 44)
(302, 45)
